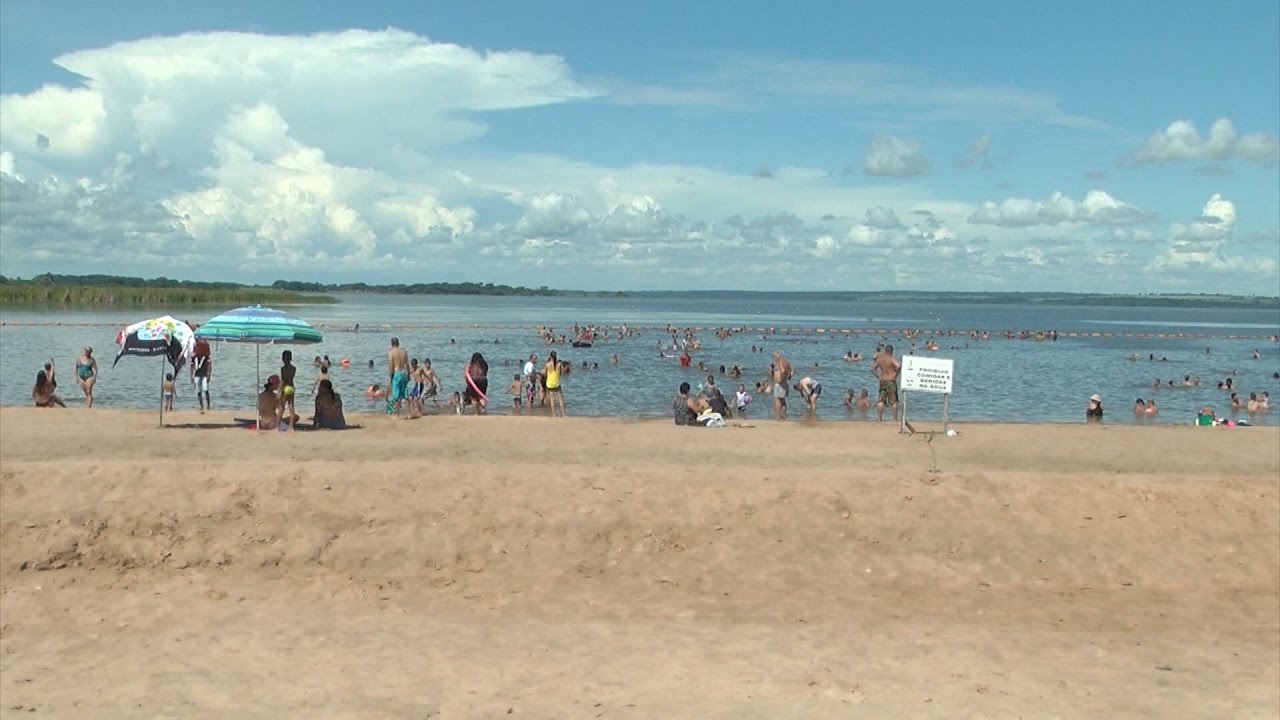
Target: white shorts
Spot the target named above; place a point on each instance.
(202, 384)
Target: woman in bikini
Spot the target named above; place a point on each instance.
(87, 374)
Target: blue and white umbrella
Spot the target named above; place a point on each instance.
(261, 326)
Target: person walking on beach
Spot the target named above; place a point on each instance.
(202, 373)
(554, 393)
(87, 374)
(780, 372)
(397, 378)
(886, 368)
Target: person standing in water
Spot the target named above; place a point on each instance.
(886, 368)
(554, 393)
(202, 373)
(87, 374)
(397, 377)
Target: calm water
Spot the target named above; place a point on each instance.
(1007, 380)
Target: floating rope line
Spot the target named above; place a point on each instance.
(360, 327)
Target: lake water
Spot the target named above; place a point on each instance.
(999, 379)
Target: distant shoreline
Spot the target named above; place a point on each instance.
(108, 290)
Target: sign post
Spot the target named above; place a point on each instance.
(926, 374)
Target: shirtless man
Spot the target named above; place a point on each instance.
(397, 377)
(886, 368)
(780, 374)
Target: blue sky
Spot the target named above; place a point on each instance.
(1087, 146)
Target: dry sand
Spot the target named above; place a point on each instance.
(527, 567)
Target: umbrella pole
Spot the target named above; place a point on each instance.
(258, 371)
(161, 391)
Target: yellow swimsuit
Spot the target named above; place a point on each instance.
(553, 379)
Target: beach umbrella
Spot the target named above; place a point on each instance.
(165, 336)
(261, 326)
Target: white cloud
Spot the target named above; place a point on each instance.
(978, 154)
(1201, 245)
(1182, 142)
(1133, 236)
(890, 156)
(1097, 208)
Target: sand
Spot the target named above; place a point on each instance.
(461, 567)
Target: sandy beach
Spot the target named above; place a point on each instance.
(461, 567)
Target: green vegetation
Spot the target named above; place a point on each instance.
(109, 290)
(464, 288)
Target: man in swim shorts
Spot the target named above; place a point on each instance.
(397, 378)
(886, 368)
(202, 372)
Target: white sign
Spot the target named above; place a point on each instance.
(926, 374)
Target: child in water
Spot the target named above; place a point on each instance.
(515, 390)
(455, 402)
(168, 390)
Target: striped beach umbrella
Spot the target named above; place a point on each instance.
(261, 326)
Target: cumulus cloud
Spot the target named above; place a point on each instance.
(1181, 141)
(1097, 208)
(1201, 245)
(891, 156)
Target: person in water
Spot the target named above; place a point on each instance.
(476, 375)
(551, 373)
(87, 374)
(1093, 411)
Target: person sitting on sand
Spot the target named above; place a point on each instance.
(42, 394)
(269, 404)
(1093, 411)
(329, 408)
(684, 408)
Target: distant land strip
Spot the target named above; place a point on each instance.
(108, 290)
